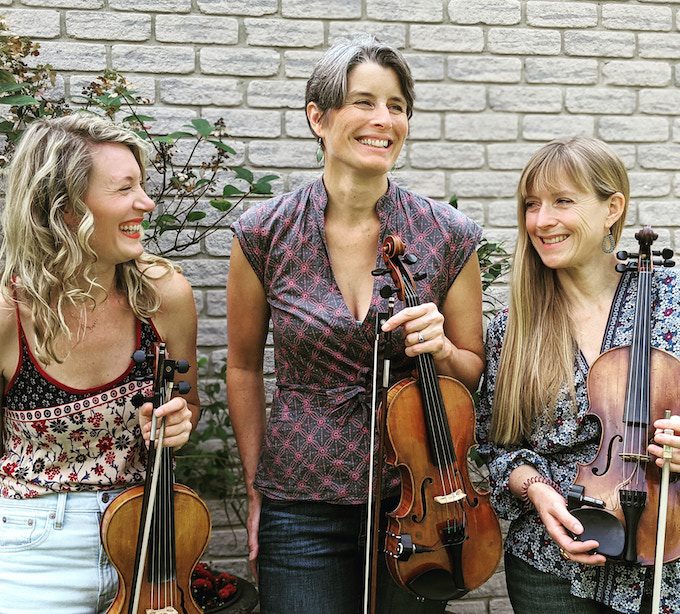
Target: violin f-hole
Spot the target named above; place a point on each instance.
(423, 497)
(610, 455)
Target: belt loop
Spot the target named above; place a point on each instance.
(61, 510)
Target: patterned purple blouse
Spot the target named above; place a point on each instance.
(316, 442)
(59, 439)
(556, 447)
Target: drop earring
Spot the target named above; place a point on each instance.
(608, 243)
(319, 152)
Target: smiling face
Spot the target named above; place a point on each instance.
(118, 202)
(366, 134)
(566, 224)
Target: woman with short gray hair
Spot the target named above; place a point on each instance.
(304, 260)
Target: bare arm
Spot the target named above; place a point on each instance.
(176, 323)
(247, 325)
(453, 336)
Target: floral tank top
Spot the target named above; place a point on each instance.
(59, 439)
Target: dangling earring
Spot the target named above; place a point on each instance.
(608, 243)
(319, 152)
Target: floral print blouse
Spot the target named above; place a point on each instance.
(555, 447)
(59, 439)
(316, 442)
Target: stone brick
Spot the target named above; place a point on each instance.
(618, 16)
(247, 122)
(546, 128)
(283, 154)
(205, 272)
(155, 59)
(108, 26)
(277, 94)
(71, 56)
(447, 97)
(238, 7)
(446, 155)
(426, 67)
(152, 6)
(524, 41)
(561, 14)
(661, 102)
(600, 100)
(300, 63)
(662, 156)
(425, 126)
(428, 183)
(283, 33)
(560, 70)
(659, 213)
(509, 156)
(390, 33)
(486, 69)
(483, 183)
(491, 12)
(200, 91)
(168, 119)
(196, 29)
(218, 243)
(321, 9)
(32, 23)
(627, 153)
(296, 124)
(655, 45)
(634, 129)
(481, 127)
(525, 99)
(452, 39)
(300, 178)
(65, 4)
(414, 10)
(649, 184)
(640, 73)
(245, 62)
(607, 44)
(212, 332)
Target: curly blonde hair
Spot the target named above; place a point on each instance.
(49, 261)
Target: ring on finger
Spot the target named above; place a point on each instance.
(565, 554)
(421, 337)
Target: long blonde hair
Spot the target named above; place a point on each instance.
(44, 257)
(537, 359)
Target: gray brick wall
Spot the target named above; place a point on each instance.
(495, 80)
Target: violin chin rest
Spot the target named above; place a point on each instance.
(604, 528)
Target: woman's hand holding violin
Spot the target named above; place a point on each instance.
(178, 423)
(424, 328)
(560, 524)
(661, 439)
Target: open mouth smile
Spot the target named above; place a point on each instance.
(383, 143)
(553, 240)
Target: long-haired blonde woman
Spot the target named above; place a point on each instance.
(79, 295)
(567, 305)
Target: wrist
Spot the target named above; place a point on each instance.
(536, 479)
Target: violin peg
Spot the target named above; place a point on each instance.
(138, 400)
(620, 268)
(667, 253)
(386, 291)
(182, 366)
(139, 357)
(183, 387)
(410, 259)
(419, 276)
(669, 263)
(379, 272)
(622, 255)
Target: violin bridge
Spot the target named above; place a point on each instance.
(451, 497)
(166, 610)
(636, 458)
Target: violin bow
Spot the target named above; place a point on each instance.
(661, 521)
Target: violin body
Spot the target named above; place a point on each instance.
(192, 530)
(474, 548)
(605, 475)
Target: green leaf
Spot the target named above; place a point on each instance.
(194, 216)
(11, 87)
(243, 173)
(165, 219)
(268, 178)
(201, 182)
(223, 146)
(138, 118)
(180, 135)
(19, 100)
(164, 138)
(221, 204)
(203, 126)
(262, 187)
(231, 190)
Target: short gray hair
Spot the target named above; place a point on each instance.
(327, 87)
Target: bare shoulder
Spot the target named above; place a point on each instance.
(9, 343)
(177, 308)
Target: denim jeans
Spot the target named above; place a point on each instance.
(311, 561)
(532, 591)
(51, 558)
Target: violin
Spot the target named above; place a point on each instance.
(155, 534)
(616, 495)
(443, 538)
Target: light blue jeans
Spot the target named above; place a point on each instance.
(51, 558)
